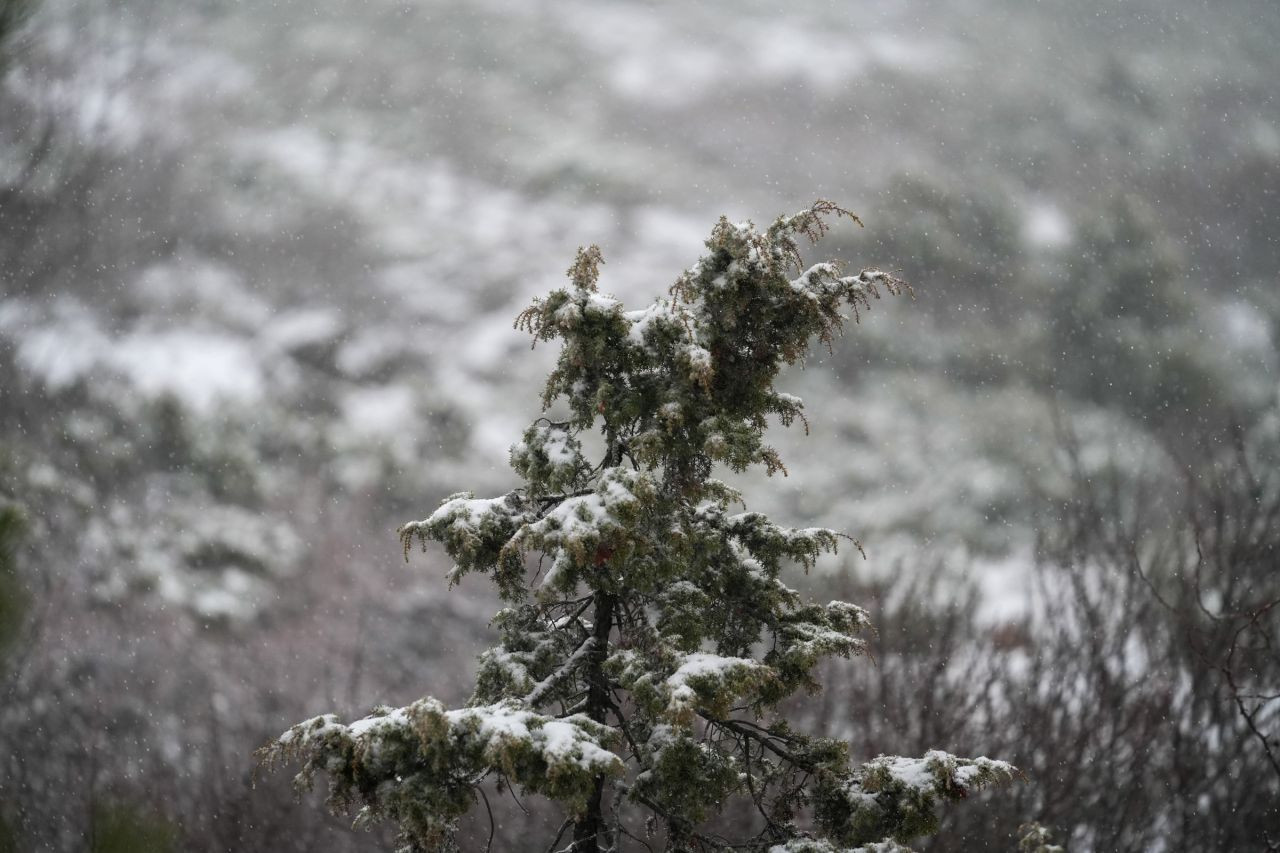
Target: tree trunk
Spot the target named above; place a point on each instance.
(586, 832)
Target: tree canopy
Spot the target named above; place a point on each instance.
(648, 635)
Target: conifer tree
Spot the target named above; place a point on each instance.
(648, 635)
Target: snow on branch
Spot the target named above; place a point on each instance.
(420, 764)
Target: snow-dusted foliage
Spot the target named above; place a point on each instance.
(649, 635)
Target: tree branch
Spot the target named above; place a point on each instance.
(542, 688)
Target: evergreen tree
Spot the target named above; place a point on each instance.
(649, 637)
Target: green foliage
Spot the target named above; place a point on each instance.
(1035, 838)
(418, 766)
(14, 603)
(659, 636)
(965, 239)
(1122, 322)
(896, 798)
(8, 838)
(123, 829)
(13, 596)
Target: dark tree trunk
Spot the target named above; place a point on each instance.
(586, 832)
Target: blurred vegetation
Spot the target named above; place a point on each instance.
(124, 829)
(14, 598)
(1136, 689)
(14, 603)
(211, 167)
(13, 14)
(1123, 321)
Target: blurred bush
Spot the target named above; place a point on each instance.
(14, 598)
(121, 828)
(1139, 688)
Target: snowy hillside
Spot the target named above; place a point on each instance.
(259, 266)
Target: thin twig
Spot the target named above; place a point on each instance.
(492, 826)
(552, 846)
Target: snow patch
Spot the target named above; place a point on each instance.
(381, 412)
(1046, 226)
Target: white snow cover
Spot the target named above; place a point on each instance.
(644, 319)
(602, 303)
(544, 686)
(700, 664)
(580, 515)
(805, 845)
(305, 327)
(704, 665)
(582, 518)
(568, 740)
(377, 724)
(558, 449)
(556, 442)
(928, 773)
(378, 412)
(698, 357)
(201, 367)
(466, 511)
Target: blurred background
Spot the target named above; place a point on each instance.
(259, 265)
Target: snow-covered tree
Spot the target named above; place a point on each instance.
(648, 636)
